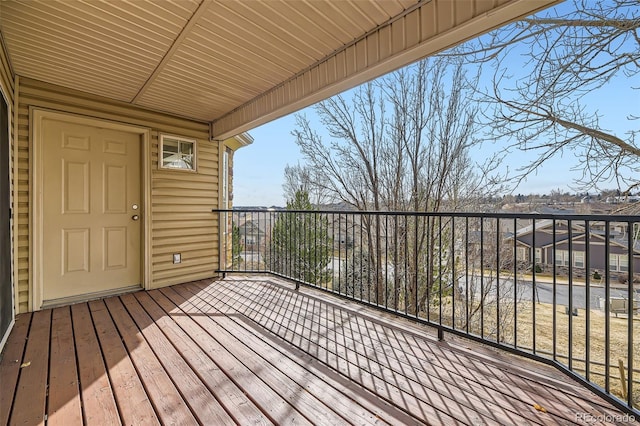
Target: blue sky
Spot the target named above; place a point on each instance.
(259, 168)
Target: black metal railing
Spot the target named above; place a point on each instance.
(559, 289)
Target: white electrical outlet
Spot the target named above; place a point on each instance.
(177, 258)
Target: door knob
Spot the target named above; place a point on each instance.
(135, 217)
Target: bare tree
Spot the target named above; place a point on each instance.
(542, 106)
(300, 178)
(400, 143)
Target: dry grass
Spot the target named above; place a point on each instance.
(544, 334)
(618, 343)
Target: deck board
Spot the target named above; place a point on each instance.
(235, 402)
(131, 398)
(98, 401)
(203, 405)
(254, 351)
(237, 357)
(317, 377)
(423, 394)
(165, 398)
(64, 397)
(340, 361)
(423, 389)
(10, 365)
(336, 394)
(30, 398)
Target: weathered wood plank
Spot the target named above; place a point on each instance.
(10, 364)
(203, 404)
(176, 326)
(419, 379)
(64, 391)
(354, 402)
(133, 403)
(167, 401)
(436, 362)
(333, 355)
(267, 355)
(280, 409)
(30, 399)
(99, 405)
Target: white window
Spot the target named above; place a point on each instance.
(578, 259)
(619, 262)
(522, 253)
(623, 263)
(562, 257)
(177, 153)
(538, 255)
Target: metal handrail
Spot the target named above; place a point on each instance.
(475, 275)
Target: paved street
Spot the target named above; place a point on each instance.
(544, 294)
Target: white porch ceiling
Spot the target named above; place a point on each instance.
(234, 63)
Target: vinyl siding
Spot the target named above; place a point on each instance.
(181, 202)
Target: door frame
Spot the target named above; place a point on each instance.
(36, 205)
(12, 218)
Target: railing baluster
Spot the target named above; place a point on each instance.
(386, 266)
(630, 312)
(607, 313)
(555, 290)
(439, 269)
(498, 270)
(534, 292)
(407, 277)
(481, 277)
(454, 284)
(466, 274)
(570, 301)
(587, 297)
(515, 283)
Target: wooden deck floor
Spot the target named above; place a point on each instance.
(253, 351)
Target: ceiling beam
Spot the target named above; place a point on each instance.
(202, 8)
(427, 28)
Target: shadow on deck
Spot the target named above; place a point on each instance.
(254, 351)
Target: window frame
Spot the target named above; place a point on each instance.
(618, 262)
(563, 257)
(522, 253)
(576, 255)
(180, 140)
(538, 255)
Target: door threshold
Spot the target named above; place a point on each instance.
(64, 301)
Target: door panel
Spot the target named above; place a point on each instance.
(6, 295)
(91, 181)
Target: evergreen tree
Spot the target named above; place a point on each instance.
(300, 246)
(236, 245)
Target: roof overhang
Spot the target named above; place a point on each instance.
(235, 64)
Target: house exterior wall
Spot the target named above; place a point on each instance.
(597, 254)
(180, 214)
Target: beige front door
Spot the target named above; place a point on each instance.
(91, 210)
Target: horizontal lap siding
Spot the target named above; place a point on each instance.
(181, 202)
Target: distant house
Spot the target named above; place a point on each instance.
(566, 247)
(251, 236)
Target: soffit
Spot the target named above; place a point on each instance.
(234, 63)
